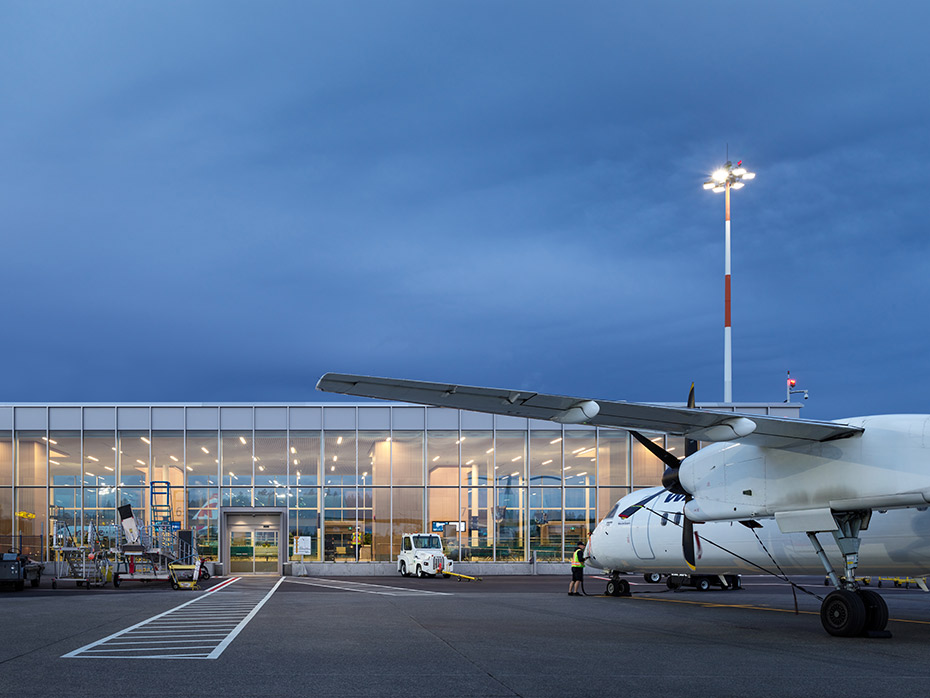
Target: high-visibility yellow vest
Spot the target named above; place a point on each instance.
(576, 558)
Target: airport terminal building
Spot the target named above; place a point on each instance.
(264, 484)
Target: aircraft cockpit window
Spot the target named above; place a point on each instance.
(613, 511)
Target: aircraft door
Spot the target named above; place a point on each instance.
(639, 534)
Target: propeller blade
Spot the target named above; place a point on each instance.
(691, 446)
(687, 542)
(671, 461)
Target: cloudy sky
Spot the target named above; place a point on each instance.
(221, 201)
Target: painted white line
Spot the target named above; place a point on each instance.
(362, 588)
(163, 632)
(245, 621)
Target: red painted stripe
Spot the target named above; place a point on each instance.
(726, 318)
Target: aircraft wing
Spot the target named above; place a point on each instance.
(705, 425)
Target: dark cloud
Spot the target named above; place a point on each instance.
(221, 201)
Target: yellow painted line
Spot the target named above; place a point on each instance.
(761, 608)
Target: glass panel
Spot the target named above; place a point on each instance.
(580, 458)
(31, 465)
(304, 454)
(241, 551)
(66, 510)
(361, 536)
(674, 445)
(168, 466)
(100, 456)
(407, 457)
(266, 550)
(478, 538)
(271, 459)
(477, 458)
(339, 458)
(546, 522)
(202, 462)
(339, 525)
(32, 500)
(509, 517)
(64, 461)
(138, 499)
(647, 469)
(6, 517)
(374, 458)
(381, 524)
(6, 458)
(442, 459)
(303, 520)
(510, 464)
(237, 496)
(580, 515)
(613, 450)
(408, 514)
(443, 515)
(236, 458)
(203, 519)
(100, 512)
(546, 458)
(134, 458)
(607, 497)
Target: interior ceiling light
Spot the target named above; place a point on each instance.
(242, 440)
(145, 440)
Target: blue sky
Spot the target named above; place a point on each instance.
(222, 201)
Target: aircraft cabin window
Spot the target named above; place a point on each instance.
(677, 518)
(664, 521)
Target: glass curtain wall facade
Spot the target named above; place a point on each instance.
(354, 478)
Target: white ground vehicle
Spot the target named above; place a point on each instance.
(421, 554)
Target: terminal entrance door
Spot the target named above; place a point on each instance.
(253, 548)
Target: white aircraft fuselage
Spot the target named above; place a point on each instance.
(648, 539)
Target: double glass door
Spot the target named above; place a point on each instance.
(253, 550)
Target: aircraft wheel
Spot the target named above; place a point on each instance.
(702, 584)
(403, 568)
(652, 577)
(843, 613)
(876, 610)
(618, 587)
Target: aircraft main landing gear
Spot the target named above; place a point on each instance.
(617, 586)
(849, 611)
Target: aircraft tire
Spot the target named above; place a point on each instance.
(613, 588)
(876, 610)
(843, 613)
(652, 577)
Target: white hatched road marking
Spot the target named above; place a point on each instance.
(383, 589)
(158, 637)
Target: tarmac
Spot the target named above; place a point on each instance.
(503, 636)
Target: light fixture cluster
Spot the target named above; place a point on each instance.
(729, 174)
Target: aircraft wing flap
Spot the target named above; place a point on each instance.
(774, 432)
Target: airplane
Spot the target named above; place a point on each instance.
(812, 477)
(641, 533)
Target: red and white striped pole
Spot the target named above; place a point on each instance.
(723, 180)
(727, 328)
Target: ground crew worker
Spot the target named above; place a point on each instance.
(578, 559)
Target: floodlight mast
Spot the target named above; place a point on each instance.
(722, 180)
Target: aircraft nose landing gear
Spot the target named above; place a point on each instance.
(849, 611)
